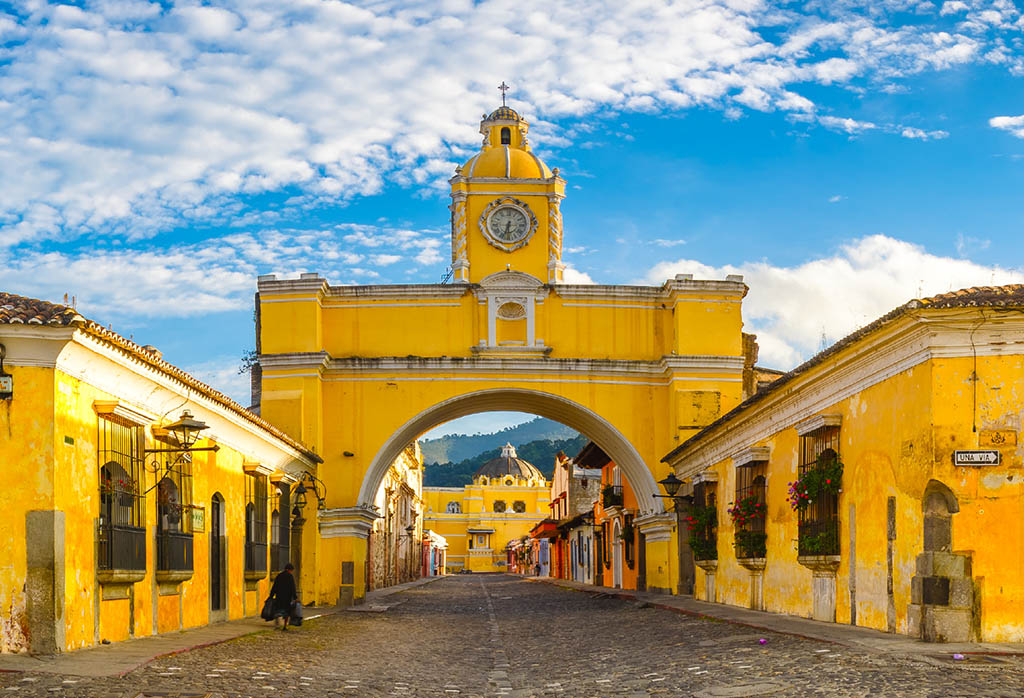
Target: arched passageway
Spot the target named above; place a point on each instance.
(555, 407)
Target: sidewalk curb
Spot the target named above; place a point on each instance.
(924, 653)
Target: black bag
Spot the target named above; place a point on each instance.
(268, 610)
(296, 618)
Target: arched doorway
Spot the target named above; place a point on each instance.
(218, 559)
(942, 593)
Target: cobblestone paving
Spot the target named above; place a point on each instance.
(502, 636)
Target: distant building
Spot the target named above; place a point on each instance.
(395, 536)
(507, 497)
(574, 490)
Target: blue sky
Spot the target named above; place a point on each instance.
(155, 157)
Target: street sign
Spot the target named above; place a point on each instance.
(975, 458)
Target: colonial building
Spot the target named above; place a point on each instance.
(637, 368)
(141, 500)
(574, 491)
(507, 497)
(879, 483)
(617, 542)
(396, 536)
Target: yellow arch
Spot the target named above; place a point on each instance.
(555, 407)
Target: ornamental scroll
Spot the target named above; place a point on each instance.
(554, 234)
(459, 257)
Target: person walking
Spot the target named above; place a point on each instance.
(283, 596)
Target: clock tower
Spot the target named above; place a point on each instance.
(505, 206)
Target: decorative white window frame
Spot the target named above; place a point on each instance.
(516, 287)
(753, 454)
(820, 421)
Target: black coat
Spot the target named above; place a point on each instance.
(283, 592)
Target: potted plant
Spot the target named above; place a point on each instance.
(750, 539)
(703, 541)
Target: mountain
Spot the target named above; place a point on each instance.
(540, 452)
(455, 448)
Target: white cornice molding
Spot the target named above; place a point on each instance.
(346, 522)
(705, 476)
(665, 368)
(753, 454)
(732, 290)
(148, 389)
(253, 468)
(818, 421)
(130, 413)
(34, 346)
(908, 342)
(656, 527)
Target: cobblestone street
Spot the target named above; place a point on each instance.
(500, 635)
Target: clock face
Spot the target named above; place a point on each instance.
(508, 224)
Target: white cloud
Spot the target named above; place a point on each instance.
(131, 117)
(952, 7)
(661, 242)
(574, 276)
(213, 276)
(921, 134)
(1011, 124)
(835, 199)
(851, 126)
(791, 308)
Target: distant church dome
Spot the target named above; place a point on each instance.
(508, 464)
(504, 113)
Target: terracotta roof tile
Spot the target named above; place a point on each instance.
(19, 310)
(1010, 296)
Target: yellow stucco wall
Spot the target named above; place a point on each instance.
(476, 502)
(896, 436)
(49, 432)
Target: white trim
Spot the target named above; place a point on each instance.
(705, 476)
(138, 417)
(820, 421)
(655, 527)
(753, 454)
(907, 343)
(344, 522)
(251, 468)
(149, 389)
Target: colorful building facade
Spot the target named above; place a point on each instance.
(878, 484)
(145, 502)
(507, 497)
(636, 368)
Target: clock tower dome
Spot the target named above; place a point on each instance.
(505, 206)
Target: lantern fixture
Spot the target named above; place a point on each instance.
(308, 482)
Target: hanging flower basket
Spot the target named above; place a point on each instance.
(703, 541)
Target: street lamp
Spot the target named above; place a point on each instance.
(686, 572)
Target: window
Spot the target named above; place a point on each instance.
(519, 506)
(280, 529)
(256, 523)
(506, 135)
(509, 482)
(818, 528)
(454, 508)
(500, 506)
(749, 510)
(481, 541)
(703, 522)
(122, 522)
(174, 515)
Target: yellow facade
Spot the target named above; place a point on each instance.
(479, 520)
(637, 369)
(62, 582)
(903, 395)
